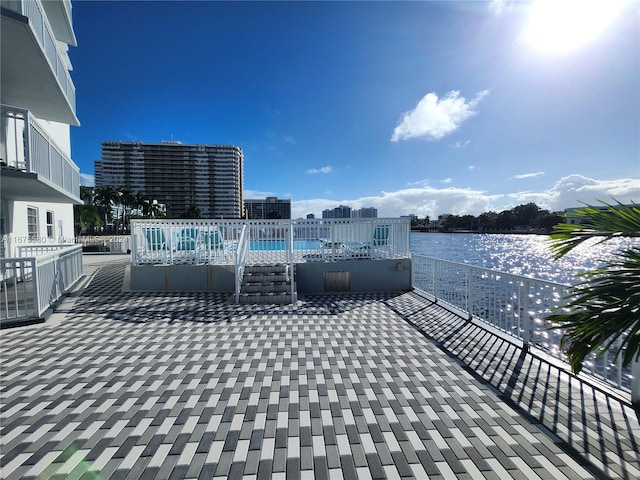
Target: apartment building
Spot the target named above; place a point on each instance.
(365, 212)
(341, 211)
(177, 175)
(344, 211)
(39, 181)
(270, 207)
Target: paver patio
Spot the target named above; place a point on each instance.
(131, 385)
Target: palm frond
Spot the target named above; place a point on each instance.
(593, 222)
(602, 308)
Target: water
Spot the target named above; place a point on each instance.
(271, 245)
(527, 255)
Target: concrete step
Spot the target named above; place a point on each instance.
(262, 277)
(266, 284)
(266, 287)
(266, 298)
(275, 268)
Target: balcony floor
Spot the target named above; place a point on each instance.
(142, 385)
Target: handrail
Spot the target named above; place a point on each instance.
(241, 258)
(291, 267)
(516, 305)
(31, 283)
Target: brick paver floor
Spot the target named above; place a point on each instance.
(130, 385)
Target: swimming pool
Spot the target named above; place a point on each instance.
(271, 245)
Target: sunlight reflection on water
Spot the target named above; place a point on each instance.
(527, 255)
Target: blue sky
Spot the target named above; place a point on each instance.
(411, 107)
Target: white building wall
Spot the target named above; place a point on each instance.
(60, 231)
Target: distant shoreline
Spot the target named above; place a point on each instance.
(507, 232)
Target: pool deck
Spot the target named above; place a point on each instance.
(128, 385)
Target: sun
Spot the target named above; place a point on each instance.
(558, 26)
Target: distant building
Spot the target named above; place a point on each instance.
(310, 216)
(367, 212)
(177, 175)
(574, 221)
(339, 212)
(270, 207)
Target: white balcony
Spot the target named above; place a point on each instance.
(33, 167)
(59, 15)
(35, 75)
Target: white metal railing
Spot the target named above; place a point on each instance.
(291, 268)
(33, 9)
(516, 305)
(270, 241)
(36, 279)
(241, 259)
(27, 147)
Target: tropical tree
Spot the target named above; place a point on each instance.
(127, 198)
(605, 304)
(193, 211)
(86, 194)
(105, 198)
(86, 216)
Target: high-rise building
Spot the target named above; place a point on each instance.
(339, 212)
(366, 212)
(177, 175)
(270, 207)
(39, 183)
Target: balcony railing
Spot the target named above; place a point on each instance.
(517, 306)
(33, 9)
(29, 149)
(36, 279)
(269, 241)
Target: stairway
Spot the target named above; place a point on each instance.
(267, 284)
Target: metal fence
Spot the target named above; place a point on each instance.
(269, 241)
(32, 282)
(516, 305)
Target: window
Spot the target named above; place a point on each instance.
(32, 223)
(50, 229)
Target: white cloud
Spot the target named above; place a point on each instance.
(87, 180)
(435, 118)
(498, 7)
(313, 171)
(527, 175)
(428, 200)
(460, 145)
(446, 180)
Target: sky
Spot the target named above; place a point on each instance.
(423, 107)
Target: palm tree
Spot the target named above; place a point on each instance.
(105, 198)
(127, 197)
(605, 304)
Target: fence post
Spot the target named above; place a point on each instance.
(469, 292)
(525, 321)
(635, 383)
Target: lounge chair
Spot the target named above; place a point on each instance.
(187, 247)
(155, 242)
(369, 249)
(213, 245)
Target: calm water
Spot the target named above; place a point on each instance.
(527, 255)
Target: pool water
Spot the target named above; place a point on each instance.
(269, 245)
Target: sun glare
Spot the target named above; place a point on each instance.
(558, 26)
